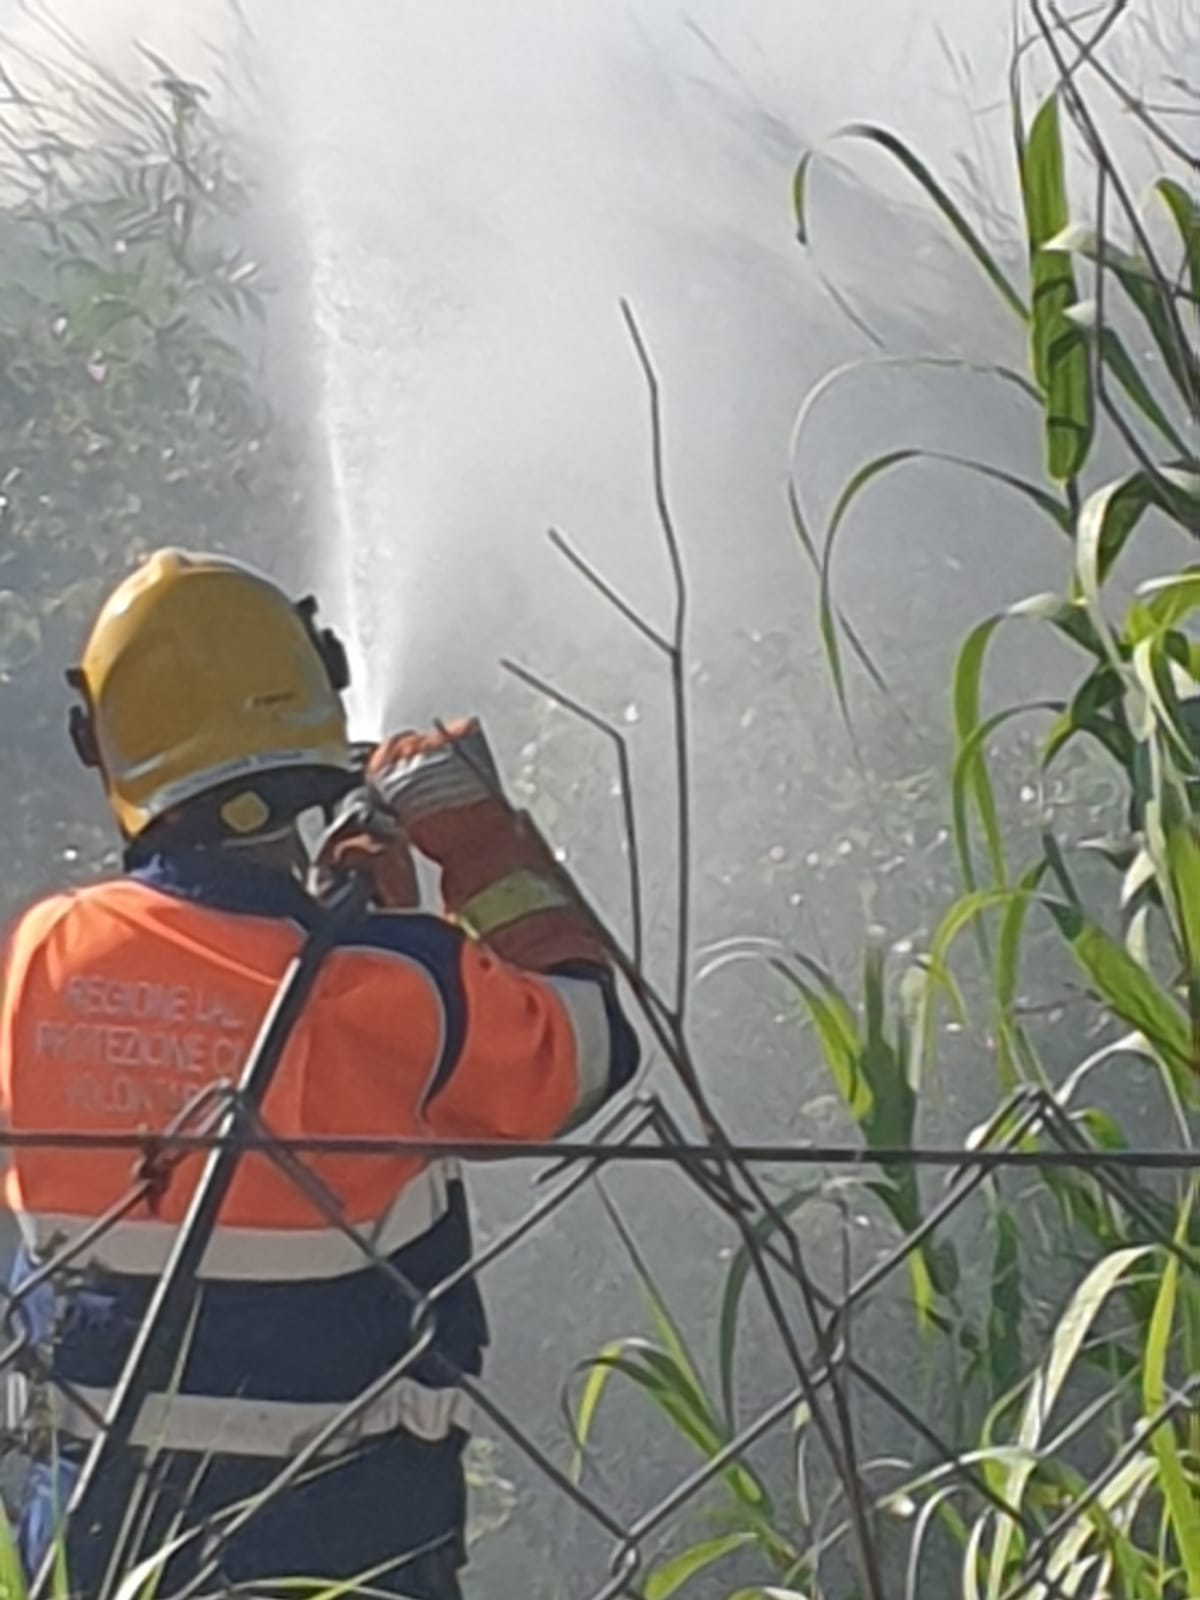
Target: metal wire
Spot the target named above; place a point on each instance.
(640, 1132)
(662, 1153)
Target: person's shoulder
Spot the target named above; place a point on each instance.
(419, 935)
(37, 920)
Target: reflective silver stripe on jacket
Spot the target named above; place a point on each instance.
(274, 1428)
(263, 1255)
(583, 1001)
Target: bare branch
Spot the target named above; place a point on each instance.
(678, 646)
(625, 779)
(1133, 103)
(602, 585)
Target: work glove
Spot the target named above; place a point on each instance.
(442, 787)
(365, 838)
(498, 877)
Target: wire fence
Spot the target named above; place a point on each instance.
(829, 1377)
(812, 1315)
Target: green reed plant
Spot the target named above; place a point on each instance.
(1075, 1466)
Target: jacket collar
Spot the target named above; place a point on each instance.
(223, 883)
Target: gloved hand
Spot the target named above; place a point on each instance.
(442, 787)
(365, 837)
(498, 877)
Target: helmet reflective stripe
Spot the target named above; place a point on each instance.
(177, 794)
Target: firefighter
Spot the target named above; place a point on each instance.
(211, 707)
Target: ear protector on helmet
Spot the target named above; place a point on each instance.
(327, 645)
(79, 722)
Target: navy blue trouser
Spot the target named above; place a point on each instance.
(391, 1513)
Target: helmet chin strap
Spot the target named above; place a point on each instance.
(281, 850)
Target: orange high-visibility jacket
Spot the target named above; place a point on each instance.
(122, 1001)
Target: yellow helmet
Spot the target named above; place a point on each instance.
(198, 672)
